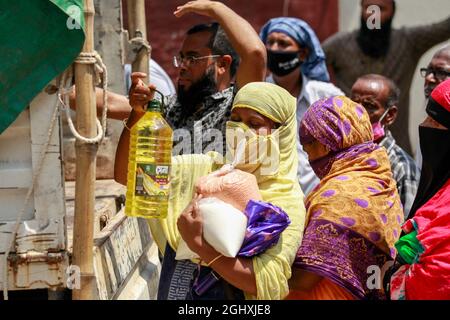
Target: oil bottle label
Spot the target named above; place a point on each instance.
(152, 181)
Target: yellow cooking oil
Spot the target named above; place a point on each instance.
(149, 163)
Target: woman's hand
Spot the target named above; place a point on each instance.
(201, 7)
(190, 225)
(234, 187)
(237, 271)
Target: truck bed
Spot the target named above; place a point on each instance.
(126, 261)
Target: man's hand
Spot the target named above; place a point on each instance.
(140, 94)
(201, 7)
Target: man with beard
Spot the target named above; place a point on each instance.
(207, 64)
(393, 53)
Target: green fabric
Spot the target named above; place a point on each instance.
(409, 248)
(38, 40)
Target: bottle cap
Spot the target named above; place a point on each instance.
(154, 105)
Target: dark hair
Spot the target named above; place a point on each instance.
(393, 97)
(218, 43)
(394, 7)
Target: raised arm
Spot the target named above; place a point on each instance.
(241, 34)
(424, 37)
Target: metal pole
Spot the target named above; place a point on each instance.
(138, 28)
(85, 167)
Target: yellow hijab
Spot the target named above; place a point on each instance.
(273, 267)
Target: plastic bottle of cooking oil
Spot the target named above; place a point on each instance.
(149, 163)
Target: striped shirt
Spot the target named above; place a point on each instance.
(198, 132)
(404, 171)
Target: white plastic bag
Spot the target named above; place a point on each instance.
(184, 253)
(224, 228)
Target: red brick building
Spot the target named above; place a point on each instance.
(166, 32)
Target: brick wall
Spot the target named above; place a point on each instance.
(166, 32)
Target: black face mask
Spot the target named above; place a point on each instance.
(282, 63)
(435, 147)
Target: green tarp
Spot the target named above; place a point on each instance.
(38, 40)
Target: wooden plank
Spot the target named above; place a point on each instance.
(143, 281)
(38, 259)
(33, 236)
(106, 206)
(15, 178)
(122, 249)
(119, 247)
(11, 201)
(42, 228)
(15, 152)
(15, 169)
(48, 192)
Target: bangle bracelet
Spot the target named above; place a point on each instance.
(214, 260)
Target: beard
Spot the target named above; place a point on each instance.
(374, 43)
(195, 95)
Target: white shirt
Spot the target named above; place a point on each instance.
(312, 91)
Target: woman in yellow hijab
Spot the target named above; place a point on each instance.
(266, 112)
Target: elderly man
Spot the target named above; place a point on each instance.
(437, 71)
(393, 53)
(380, 96)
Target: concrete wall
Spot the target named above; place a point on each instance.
(409, 13)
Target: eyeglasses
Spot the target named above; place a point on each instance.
(439, 74)
(189, 60)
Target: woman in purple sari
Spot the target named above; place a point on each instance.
(353, 215)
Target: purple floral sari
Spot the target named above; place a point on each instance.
(354, 214)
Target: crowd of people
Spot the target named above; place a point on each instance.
(355, 197)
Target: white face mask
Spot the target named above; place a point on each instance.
(251, 152)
